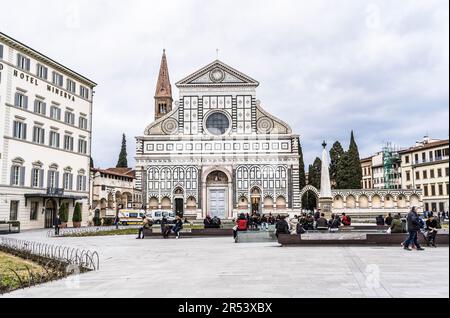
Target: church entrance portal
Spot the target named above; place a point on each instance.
(217, 192)
(256, 200)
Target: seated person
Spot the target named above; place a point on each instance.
(322, 223)
(282, 227)
(207, 222)
(380, 220)
(432, 230)
(216, 223)
(397, 224)
(389, 219)
(334, 223)
(346, 220)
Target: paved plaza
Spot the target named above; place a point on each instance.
(217, 267)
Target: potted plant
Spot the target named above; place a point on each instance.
(77, 217)
(64, 214)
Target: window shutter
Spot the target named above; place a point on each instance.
(84, 183)
(24, 131)
(25, 102)
(44, 109)
(42, 136)
(22, 176)
(28, 64)
(32, 174)
(57, 180)
(35, 105)
(70, 181)
(18, 59)
(11, 179)
(16, 100)
(52, 110)
(49, 178)
(41, 178)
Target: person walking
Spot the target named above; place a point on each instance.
(57, 224)
(413, 230)
(431, 227)
(117, 221)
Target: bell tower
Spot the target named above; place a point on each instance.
(163, 95)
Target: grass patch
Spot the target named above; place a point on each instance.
(106, 233)
(8, 279)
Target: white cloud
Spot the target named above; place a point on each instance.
(378, 67)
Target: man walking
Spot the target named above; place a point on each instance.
(413, 230)
(57, 224)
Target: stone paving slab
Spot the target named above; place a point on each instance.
(217, 267)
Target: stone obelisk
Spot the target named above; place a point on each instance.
(326, 198)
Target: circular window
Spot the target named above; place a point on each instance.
(217, 124)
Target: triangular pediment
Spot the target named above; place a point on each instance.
(217, 74)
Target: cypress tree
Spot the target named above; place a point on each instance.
(336, 153)
(354, 165)
(92, 163)
(343, 172)
(314, 174)
(123, 161)
(301, 164)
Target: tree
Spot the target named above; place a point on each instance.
(92, 163)
(343, 172)
(77, 216)
(301, 164)
(336, 153)
(123, 161)
(314, 174)
(354, 165)
(64, 212)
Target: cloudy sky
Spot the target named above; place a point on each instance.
(380, 68)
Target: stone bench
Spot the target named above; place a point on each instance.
(255, 237)
(353, 239)
(149, 233)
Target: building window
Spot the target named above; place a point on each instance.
(21, 101)
(425, 190)
(433, 190)
(84, 92)
(447, 172)
(54, 139)
(14, 210)
(425, 174)
(37, 178)
(53, 179)
(38, 135)
(441, 189)
(55, 113)
(69, 118)
(439, 173)
(41, 71)
(408, 176)
(19, 130)
(40, 107)
(71, 86)
(57, 79)
(82, 146)
(406, 159)
(34, 211)
(68, 181)
(17, 175)
(81, 183)
(83, 123)
(68, 143)
(1, 51)
(23, 62)
(417, 175)
(432, 174)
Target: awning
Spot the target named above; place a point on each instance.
(56, 196)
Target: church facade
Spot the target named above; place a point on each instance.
(216, 151)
